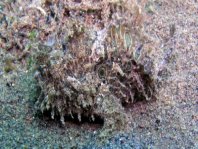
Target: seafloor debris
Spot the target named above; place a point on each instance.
(98, 75)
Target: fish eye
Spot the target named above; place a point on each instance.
(102, 72)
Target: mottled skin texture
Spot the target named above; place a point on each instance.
(79, 86)
(98, 75)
